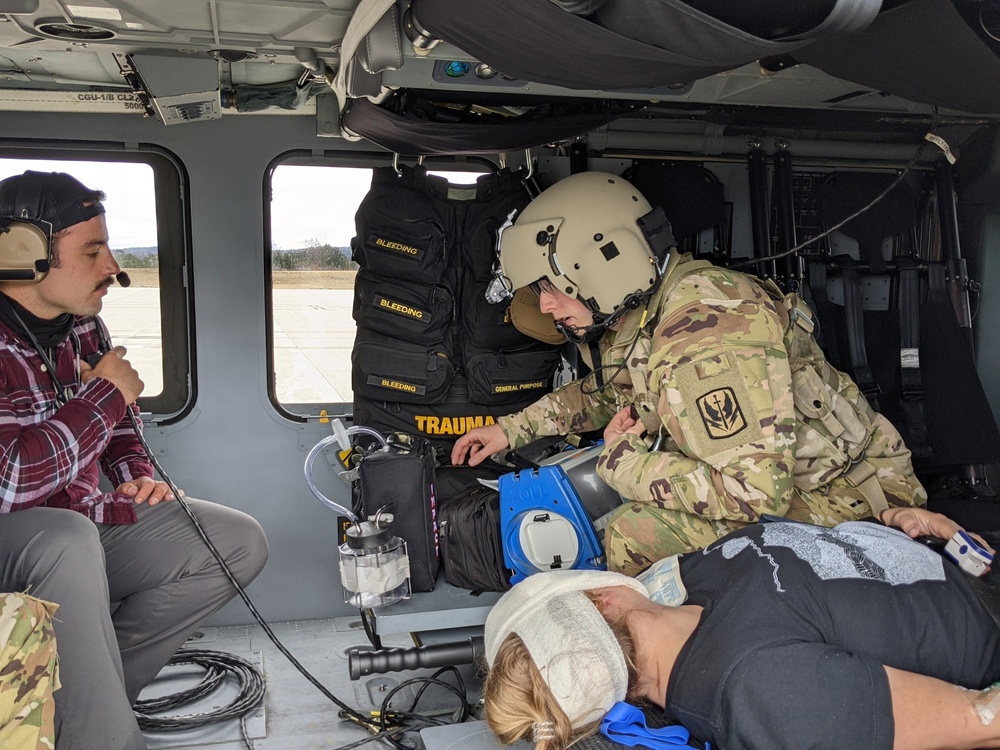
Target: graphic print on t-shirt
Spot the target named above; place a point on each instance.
(851, 550)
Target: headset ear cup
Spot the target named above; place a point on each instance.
(24, 252)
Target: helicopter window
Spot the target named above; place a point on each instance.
(311, 292)
(312, 282)
(150, 316)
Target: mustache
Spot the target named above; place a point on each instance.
(105, 284)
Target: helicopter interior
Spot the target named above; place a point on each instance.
(847, 150)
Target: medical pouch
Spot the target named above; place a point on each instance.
(510, 377)
(414, 250)
(833, 423)
(484, 217)
(418, 313)
(400, 232)
(394, 370)
(401, 480)
(487, 325)
(471, 552)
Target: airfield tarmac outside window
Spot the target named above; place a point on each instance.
(312, 285)
(145, 226)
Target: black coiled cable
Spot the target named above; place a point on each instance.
(217, 666)
(105, 345)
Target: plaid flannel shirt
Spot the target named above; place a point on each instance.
(52, 455)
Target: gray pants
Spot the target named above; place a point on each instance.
(164, 580)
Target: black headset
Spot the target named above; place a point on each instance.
(24, 250)
(26, 238)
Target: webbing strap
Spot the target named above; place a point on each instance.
(817, 281)
(365, 16)
(595, 358)
(937, 282)
(854, 311)
(863, 478)
(912, 402)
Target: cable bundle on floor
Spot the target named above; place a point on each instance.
(217, 665)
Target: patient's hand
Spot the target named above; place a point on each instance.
(916, 522)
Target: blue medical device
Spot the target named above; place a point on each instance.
(550, 516)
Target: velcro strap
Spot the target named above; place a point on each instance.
(863, 478)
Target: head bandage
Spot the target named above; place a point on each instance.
(569, 641)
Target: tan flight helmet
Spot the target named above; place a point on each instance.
(595, 237)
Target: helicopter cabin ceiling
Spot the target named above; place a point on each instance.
(185, 60)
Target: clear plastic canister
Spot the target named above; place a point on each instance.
(374, 566)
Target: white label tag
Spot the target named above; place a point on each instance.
(909, 359)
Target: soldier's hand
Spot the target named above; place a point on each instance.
(623, 422)
(114, 367)
(478, 445)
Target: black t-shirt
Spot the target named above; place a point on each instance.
(798, 623)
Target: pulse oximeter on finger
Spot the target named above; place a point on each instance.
(966, 552)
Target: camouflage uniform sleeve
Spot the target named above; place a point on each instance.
(721, 375)
(567, 410)
(28, 672)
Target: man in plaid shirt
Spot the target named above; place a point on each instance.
(64, 402)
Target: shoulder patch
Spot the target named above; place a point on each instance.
(714, 405)
(720, 411)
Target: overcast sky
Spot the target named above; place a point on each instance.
(130, 202)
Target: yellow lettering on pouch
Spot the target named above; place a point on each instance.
(518, 387)
(397, 246)
(396, 385)
(398, 307)
(429, 425)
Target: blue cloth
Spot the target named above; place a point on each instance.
(626, 725)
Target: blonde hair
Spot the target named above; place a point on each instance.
(519, 704)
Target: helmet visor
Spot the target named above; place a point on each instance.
(527, 252)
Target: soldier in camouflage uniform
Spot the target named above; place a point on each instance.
(717, 403)
(28, 673)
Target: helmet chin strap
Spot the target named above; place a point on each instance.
(580, 335)
(591, 334)
(602, 322)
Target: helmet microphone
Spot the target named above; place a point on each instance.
(123, 279)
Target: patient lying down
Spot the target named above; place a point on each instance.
(790, 636)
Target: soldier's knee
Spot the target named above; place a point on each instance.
(628, 540)
(638, 535)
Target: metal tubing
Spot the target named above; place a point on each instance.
(784, 204)
(958, 276)
(757, 176)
